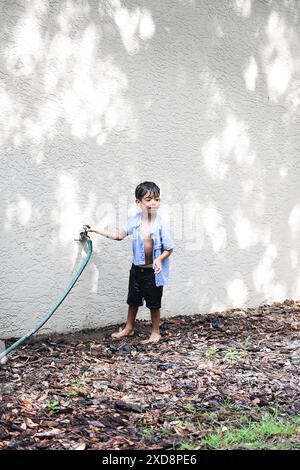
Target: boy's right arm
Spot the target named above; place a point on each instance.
(107, 233)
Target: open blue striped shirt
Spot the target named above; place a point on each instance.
(162, 241)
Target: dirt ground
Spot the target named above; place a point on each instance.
(223, 380)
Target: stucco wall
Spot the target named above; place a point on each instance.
(202, 97)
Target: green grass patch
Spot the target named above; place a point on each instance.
(231, 356)
(255, 435)
(78, 387)
(188, 408)
(54, 406)
(147, 432)
(188, 445)
(212, 352)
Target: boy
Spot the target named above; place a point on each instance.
(152, 246)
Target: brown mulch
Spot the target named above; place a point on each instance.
(85, 391)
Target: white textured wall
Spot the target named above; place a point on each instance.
(202, 97)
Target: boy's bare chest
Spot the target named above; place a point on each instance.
(148, 242)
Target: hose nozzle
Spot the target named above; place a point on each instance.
(83, 235)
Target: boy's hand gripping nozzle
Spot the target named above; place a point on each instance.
(83, 236)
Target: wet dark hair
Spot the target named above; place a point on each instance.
(144, 187)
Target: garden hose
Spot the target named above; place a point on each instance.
(83, 237)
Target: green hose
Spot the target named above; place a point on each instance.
(55, 307)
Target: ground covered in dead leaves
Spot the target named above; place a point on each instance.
(223, 380)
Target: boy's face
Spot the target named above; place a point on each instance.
(149, 203)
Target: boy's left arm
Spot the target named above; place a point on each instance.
(168, 246)
(157, 262)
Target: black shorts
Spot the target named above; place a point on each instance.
(142, 286)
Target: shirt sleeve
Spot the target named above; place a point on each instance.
(166, 238)
(128, 227)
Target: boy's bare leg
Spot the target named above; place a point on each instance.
(129, 327)
(155, 334)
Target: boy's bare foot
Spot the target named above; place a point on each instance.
(121, 334)
(154, 338)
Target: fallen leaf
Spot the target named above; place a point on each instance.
(52, 432)
(255, 401)
(81, 446)
(30, 423)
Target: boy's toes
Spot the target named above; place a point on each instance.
(154, 338)
(122, 334)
